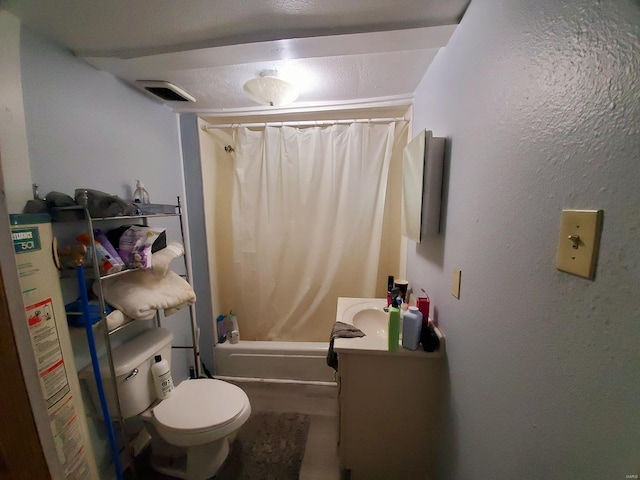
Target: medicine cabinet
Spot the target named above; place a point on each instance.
(422, 166)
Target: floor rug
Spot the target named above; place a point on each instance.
(270, 446)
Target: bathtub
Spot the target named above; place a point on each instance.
(287, 362)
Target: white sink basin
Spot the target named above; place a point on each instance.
(369, 316)
(372, 321)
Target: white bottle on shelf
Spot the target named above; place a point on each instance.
(162, 377)
(141, 195)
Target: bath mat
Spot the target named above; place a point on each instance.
(270, 446)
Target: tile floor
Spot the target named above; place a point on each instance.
(320, 402)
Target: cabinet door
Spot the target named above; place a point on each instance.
(388, 415)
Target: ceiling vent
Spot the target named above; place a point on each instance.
(165, 91)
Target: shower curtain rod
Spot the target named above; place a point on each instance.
(308, 123)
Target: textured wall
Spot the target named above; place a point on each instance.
(539, 102)
(87, 129)
(13, 136)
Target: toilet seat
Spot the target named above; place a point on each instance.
(200, 405)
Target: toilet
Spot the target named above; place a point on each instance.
(192, 429)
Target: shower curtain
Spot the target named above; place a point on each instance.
(307, 220)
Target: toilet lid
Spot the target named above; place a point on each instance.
(203, 404)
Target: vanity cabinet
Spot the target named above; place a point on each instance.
(389, 413)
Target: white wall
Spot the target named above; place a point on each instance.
(15, 182)
(87, 129)
(539, 102)
(13, 138)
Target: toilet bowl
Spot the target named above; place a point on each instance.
(190, 430)
(199, 411)
(199, 418)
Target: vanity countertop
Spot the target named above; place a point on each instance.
(375, 340)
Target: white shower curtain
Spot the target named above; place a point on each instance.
(307, 217)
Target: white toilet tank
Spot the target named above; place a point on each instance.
(135, 388)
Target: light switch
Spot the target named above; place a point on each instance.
(579, 242)
(455, 285)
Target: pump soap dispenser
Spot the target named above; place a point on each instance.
(394, 325)
(141, 195)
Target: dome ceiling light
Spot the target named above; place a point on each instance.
(269, 89)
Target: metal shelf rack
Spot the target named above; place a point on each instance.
(144, 218)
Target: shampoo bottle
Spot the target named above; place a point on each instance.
(107, 264)
(235, 331)
(389, 289)
(394, 326)
(162, 377)
(221, 329)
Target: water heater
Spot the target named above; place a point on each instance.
(50, 344)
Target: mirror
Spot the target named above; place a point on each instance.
(422, 186)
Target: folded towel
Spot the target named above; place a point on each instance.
(160, 260)
(340, 330)
(115, 319)
(139, 294)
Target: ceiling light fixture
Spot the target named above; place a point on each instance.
(269, 89)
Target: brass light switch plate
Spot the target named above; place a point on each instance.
(579, 241)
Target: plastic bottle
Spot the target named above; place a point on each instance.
(100, 236)
(141, 195)
(422, 302)
(106, 263)
(235, 331)
(411, 328)
(162, 377)
(429, 339)
(220, 328)
(394, 326)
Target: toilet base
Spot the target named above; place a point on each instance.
(199, 462)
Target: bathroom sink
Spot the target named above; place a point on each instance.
(372, 321)
(368, 315)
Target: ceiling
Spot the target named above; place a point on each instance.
(340, 54)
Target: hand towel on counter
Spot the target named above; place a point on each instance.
(340, 330)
